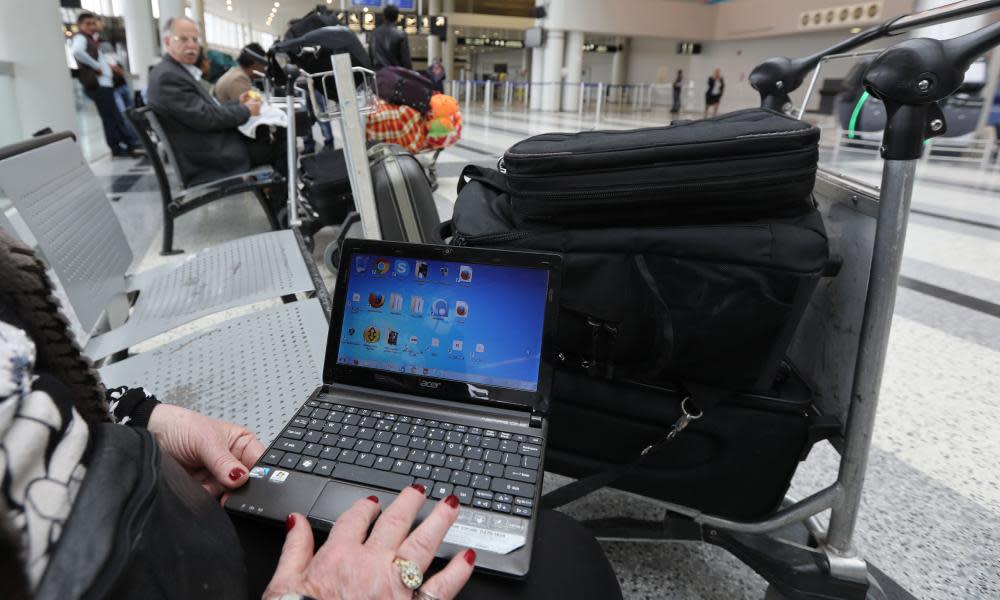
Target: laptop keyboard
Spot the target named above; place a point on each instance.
(485, 468)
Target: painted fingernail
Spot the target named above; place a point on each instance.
(373, 499)
(452, 501)
(236, 474)
(470, 556)
(289, 523)
(419, 488)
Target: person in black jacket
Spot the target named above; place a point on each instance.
(389, 46)
(716, 86)
(203, 131)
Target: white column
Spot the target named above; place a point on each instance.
(536, 77)
(619, 62)
(433, 41)
(198, 11)
(42, 88)
(448, 46)
(107, 8)
(551, 91)
(574, 65)
(168, 9)
(140, 34)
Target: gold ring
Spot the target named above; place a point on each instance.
(422, 595)
(409, 572)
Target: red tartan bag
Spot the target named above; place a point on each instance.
(396, 124)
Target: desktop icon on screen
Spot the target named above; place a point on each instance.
(402, 268)
(456, 345)
(376, 300)
(417, 306)
(372, 334)
(360, 264)
(421, 270)
(393, 337)
(465, 274)
(382, 266)
(440, 308)
(396, 302)
(461, 309)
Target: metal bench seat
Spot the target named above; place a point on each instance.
(77, 232)
(178, 199)
(253, 370)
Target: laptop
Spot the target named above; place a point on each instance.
(438, 372)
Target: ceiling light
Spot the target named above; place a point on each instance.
(277, 4)
(229, 8)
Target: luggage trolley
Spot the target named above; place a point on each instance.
(799, 555)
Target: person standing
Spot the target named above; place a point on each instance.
(678, 86)
(389, 46)
(716, 85)
(437, 75)
(96, 74)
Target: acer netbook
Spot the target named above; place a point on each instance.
(437, 372)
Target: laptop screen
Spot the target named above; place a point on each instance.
(472, 323)
(451, 323)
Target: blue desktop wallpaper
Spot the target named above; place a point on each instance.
(450, 320)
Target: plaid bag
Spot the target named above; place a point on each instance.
(396, 124)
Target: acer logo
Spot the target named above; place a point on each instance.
(430, 384)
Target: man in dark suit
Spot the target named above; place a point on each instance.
(389, 46)
(202, 130)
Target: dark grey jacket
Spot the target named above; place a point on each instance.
(389, 47)
(202, 132)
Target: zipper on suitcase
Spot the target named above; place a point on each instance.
(490, 238)
(584, 199)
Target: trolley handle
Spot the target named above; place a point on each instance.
(911, 77)
(777, 77)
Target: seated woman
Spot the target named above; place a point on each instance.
(115, 495)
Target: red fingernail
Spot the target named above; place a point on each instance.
(419, 488)
(373, 499)
(470, 556)
(452, 501)
(289, 523)
(236, 474)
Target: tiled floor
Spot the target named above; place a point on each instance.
(931, 511)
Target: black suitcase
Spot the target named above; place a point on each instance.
(715, 304)
(736, 461)
(737, 167)
(403, 196)
(399, 85)
(327, 186)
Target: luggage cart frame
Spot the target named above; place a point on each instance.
(792, 549)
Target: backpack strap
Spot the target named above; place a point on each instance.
(491, 178)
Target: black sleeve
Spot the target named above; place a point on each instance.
(176, 97)
(404, 53)
(131, 406)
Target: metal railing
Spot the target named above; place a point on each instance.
(587, 97)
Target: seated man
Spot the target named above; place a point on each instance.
(202, 130)
(237, 80)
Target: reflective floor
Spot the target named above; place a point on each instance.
(931, 511)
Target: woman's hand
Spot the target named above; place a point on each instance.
(217, 454)
(355, 565)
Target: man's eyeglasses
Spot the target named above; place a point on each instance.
(186, 40)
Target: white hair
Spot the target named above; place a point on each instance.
(168, 27)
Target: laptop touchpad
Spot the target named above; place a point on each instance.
(474, 528)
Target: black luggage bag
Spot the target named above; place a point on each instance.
(399, 85)
(690, 253)
(327, 186)
(736, 461)
(403, 196)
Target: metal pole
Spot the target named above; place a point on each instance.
(488, 96)
(600, 102)
(355, 152)
(809, 90)
(468, 95)
(887, 255)
(292, 148)
(580, 99)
